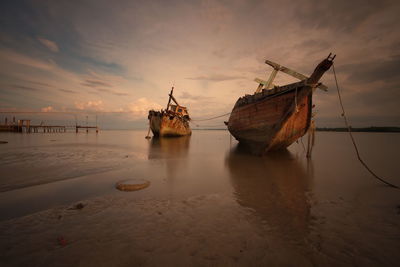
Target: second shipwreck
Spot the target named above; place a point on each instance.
(173, 121)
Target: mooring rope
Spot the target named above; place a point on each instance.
(212, 117)
(352, 138)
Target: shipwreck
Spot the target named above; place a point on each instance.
(276, 116)
(173, 121)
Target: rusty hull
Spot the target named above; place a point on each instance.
(273, 118)
(274, 122)
(165, 124)
(296, 124)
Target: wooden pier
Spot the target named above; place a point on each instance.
(25, 126)
(87, 128)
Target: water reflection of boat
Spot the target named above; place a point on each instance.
(172, 152)
(275, 187)
(162, 148)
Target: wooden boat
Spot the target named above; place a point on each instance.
(275, 116)
(173, 121)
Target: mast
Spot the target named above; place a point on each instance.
(170, 96)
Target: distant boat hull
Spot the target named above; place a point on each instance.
(272, 120)
(165, 124)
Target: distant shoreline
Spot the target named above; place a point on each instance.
(319, 129)
(371, 129)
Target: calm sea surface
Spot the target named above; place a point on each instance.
(209, 203)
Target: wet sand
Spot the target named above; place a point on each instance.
(209, 203)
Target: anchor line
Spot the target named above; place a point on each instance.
(352, 138)
(212, 117)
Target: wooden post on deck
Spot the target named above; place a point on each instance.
(271, 78)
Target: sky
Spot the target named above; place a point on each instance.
(118, 59)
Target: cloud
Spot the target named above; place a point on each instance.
(90, 105)
(336, 15)
(120, 93)
(220, 53)
(52, 46)
(366, 72)
(67, 91)
(25, 88)
(33, 82)
(99, 81)
(217, 14)
(21, 59)
(141, 107)
(47, 109)
(113, 92)
(314, 45)
(186, 95)
(223, 43)
(95, 83)
(216, 77)
(103, 90)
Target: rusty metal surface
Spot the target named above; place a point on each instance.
(168, 124)
(173, 121)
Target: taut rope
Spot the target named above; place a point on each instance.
(212, 117)
(352, 138)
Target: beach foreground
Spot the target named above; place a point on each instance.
(208, 203)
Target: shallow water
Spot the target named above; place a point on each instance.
(209, 202)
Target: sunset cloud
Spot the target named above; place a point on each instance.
(129, 54)
(94, 83)
(7, 55)
(93, 105)
(52, 46)
(47, 109)
(188, 96)
(216, 77)
(25, 88)
(140, 108)
(68, 91)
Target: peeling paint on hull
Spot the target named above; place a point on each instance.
(274, 122)
(276, 116)
(162, 124)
